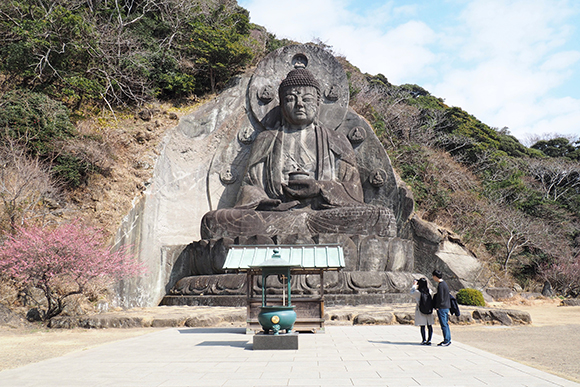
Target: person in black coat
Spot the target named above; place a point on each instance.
(423, 320)
(442, 302)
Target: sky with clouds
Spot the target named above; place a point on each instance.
(510, 63)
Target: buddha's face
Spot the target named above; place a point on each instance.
(299, 105)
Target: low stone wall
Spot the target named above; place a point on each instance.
(156, 317)
(570, 302)
(203, 316)
(405, 314)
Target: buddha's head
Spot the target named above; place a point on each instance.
(299, 96)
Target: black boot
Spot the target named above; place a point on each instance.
(424, 342)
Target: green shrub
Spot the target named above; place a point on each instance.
(41, 125)
(34, 120)
(470, 297)
(71, 170)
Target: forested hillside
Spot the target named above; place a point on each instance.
(518, 208)
(86, 85)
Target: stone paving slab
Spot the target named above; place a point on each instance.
(343, 356)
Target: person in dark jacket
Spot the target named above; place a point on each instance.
(442, 302)
(421, 319)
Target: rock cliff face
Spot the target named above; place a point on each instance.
(201, 166)
(167, 217)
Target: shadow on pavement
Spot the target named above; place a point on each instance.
(394, 343)
(241, 331)
(233, 344)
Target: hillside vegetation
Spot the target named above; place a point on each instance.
(517, 208)
(88, 87)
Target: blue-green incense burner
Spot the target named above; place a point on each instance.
(277, 318)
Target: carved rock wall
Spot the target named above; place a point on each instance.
(182, 190)
(368, 253)
(337, 283)
(200, 168)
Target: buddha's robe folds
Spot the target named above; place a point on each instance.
(337, 208)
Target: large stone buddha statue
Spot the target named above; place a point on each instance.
(280, 158)
(301, 177)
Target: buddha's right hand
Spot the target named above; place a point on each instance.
(259, 204)
(276, 205)
(268, 204)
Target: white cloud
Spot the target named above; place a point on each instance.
(559, 116)
(400, 54)
(300, 20)
(561, 61)
(509, 63)
(499, 60)
(406, 10)
(524, 30)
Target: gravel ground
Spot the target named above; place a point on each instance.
(551, 343)
(22, 346)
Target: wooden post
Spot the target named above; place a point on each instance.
(289, 287)
(249, 279)
(321, 293)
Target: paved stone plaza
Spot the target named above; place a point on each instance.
(343, 356)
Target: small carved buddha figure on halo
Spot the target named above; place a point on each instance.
(301, 177)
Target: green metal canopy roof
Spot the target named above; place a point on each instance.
(329, 257)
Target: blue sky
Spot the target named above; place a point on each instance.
(510, 63)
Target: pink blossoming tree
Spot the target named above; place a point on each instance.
(63, 261)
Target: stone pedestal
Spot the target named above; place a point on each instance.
(263, 341)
